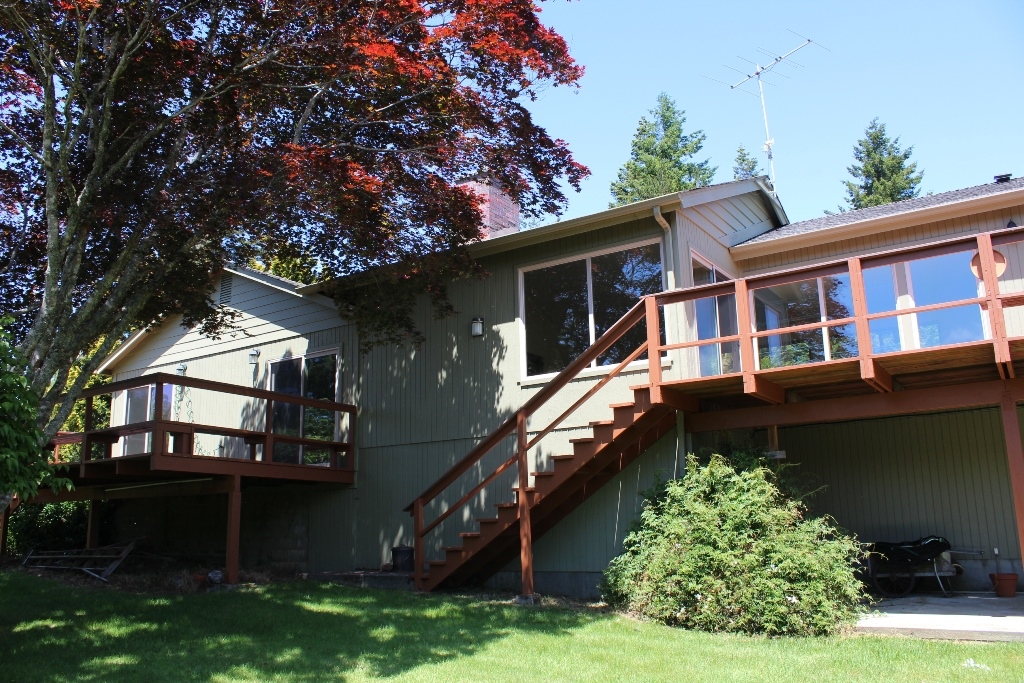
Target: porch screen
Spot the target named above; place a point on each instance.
(567, 306)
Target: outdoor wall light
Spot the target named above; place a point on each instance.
(254, 357)
(181, 369)
(476, 327)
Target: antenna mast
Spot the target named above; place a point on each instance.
(768, 141)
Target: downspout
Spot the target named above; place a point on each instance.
(670, 278)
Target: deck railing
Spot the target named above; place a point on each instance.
(751, 326)
(174, 437)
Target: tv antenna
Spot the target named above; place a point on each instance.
(759, 71)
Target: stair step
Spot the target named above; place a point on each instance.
(588, 439)
(453, 548)
(470, 534)
(542, 474)
(640, 387)
(506, 506)
(486, 520)
(556, 458)
(602, 423)
(628, 404)
(437, 563)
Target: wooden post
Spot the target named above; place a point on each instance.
(418, 560)
(268, 433)
(159, 444)
(525, 531)
(92, 534)
(773, 437)
(743, 323)
(86, 441)
(1015, 461)
(995, 307)
(234, 530)
(653, 349)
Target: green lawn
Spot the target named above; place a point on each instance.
(306, 631)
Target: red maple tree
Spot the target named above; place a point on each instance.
(146, 143)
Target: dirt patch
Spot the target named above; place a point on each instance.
(147, 573)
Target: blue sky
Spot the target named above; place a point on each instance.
(948, 78)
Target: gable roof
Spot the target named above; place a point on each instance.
(619, 214)
(842, 225)
(276, 282)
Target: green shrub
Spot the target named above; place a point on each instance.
(54, 526)
(722, 550)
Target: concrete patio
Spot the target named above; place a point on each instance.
(963, 616)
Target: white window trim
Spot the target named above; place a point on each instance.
(592, 370)
(707, 263)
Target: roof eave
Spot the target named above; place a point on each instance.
(613, 216)
(881, 224)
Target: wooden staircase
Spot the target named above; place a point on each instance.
(613, 444)
(594, 461)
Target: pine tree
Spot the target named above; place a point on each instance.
(661, 158)
(745, 165)
(883, 172)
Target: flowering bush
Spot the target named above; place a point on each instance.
(726, 550)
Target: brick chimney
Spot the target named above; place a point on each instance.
(501, 213)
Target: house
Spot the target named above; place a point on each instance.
(878, 349)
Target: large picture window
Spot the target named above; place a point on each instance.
(567, 306)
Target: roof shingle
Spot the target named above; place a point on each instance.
(848, 217)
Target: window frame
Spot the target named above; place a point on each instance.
(707, 263)
(331, 351)
(593, 368)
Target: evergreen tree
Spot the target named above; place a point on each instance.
(745, 166)
(661, 159)
(883, 172)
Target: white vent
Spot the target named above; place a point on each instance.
(225, 289)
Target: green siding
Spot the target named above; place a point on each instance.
(904, 477)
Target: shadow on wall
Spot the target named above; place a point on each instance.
(278, 632)
(430, 407)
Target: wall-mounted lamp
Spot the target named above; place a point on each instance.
(181, 369)
(476, 327)
(254, 357)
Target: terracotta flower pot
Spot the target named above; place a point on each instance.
(1006, 584)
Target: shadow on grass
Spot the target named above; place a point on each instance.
(301, 631)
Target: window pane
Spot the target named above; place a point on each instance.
(788, 305)
(879, 289)
(286, 378)
(556, 316)
(950, 326)
(793, 348)
(137, 411)
(716, 317)
(842, 341)
(702, 275)
(321, 375)
(838, 296)
(885, 335)
(944, 278)
(619, 280)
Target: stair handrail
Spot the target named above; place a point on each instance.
(604, 342)
(646, 307)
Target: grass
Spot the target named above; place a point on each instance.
(50, 631)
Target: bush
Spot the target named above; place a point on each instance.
(54, 526)
(722, 550)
